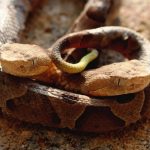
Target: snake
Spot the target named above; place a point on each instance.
(98, 118)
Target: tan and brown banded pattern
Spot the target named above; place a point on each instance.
(34, 102)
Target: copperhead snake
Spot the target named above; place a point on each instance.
(104, 81)
(121, 111)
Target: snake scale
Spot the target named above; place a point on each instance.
(83, 83)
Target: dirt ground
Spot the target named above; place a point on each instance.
(43, 29)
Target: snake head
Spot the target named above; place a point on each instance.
(24, 59)
(116, 79)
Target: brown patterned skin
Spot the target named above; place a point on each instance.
(15, 14)
(49, 106)
(35, 103)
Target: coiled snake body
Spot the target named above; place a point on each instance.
(32, 102)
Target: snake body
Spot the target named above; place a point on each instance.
(13, 14)
(98, 38)
(48, 106)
